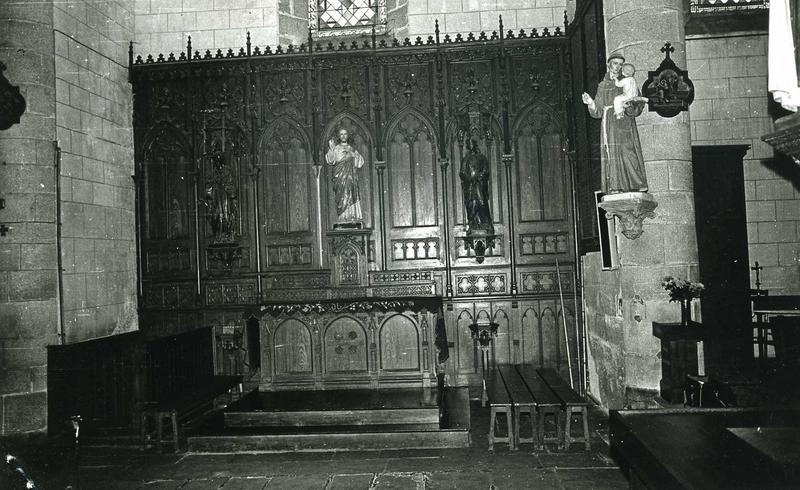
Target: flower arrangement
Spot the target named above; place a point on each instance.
(682, 290)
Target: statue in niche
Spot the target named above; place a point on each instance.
(346, 161)
(622, 163)
(475, 175)
(220, 197)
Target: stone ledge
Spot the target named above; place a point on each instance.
(631, 208)
(786, 138)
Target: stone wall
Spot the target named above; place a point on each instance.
(28, 253)
(163, 26)
(292, 22)
(482, 15)
(94, 128)
(731, 107)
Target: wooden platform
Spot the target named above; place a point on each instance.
(334, 408)
(339, 420)
(708, 448)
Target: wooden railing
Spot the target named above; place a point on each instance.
(107, 380)
(98, 379)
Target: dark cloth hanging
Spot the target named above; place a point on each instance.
(441, 338)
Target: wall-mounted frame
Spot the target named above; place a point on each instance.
(607, 231)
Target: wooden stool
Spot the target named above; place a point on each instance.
(157, 416)
(544, 411)
(583, 411)
(534, 438)
(509, 438)
(501, 402)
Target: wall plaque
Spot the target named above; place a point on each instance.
(668, 89)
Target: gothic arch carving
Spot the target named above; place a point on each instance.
(397, 118)
(411, 154)
(292, 345)
(285, 160)
(354, 120)
(170, 134)
(399, 343)
(541, 170)
(551, 120)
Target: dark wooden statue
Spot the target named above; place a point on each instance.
(475, 186)
(220, 198)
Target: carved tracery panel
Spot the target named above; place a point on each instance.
(541, 167)
(287, 171)
(167, 193)
(412, 173)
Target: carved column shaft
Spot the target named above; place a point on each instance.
(443, 164)
(508, 160)
(381, 166)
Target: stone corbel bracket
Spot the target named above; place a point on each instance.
(631, 208)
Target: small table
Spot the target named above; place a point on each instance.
(776, 310)
(678, 356)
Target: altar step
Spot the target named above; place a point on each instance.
(366, 438)
(344, 420)
(334, 408)
(319, 418)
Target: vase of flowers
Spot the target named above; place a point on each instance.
(683, 291)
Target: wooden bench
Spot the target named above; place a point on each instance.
(522, 402)
(547, 403)
(500, 402)
(571, 404)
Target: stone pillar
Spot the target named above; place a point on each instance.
(28, 254)
(623, 356)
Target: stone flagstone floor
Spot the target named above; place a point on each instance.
(104, 467)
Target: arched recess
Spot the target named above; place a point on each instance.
(465, 344)
(531, 337)
(492, 147)
(502, 342)
(345, 346)
(166, 200)
(411, 171)
(287, 179)
(551, 336)
(292, 347)
(363, 141)
(399, 344)
(541, 165)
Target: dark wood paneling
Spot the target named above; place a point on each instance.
(100, 380)
(401, 103)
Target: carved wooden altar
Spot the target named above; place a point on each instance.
(236, 207)
(349, 344)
